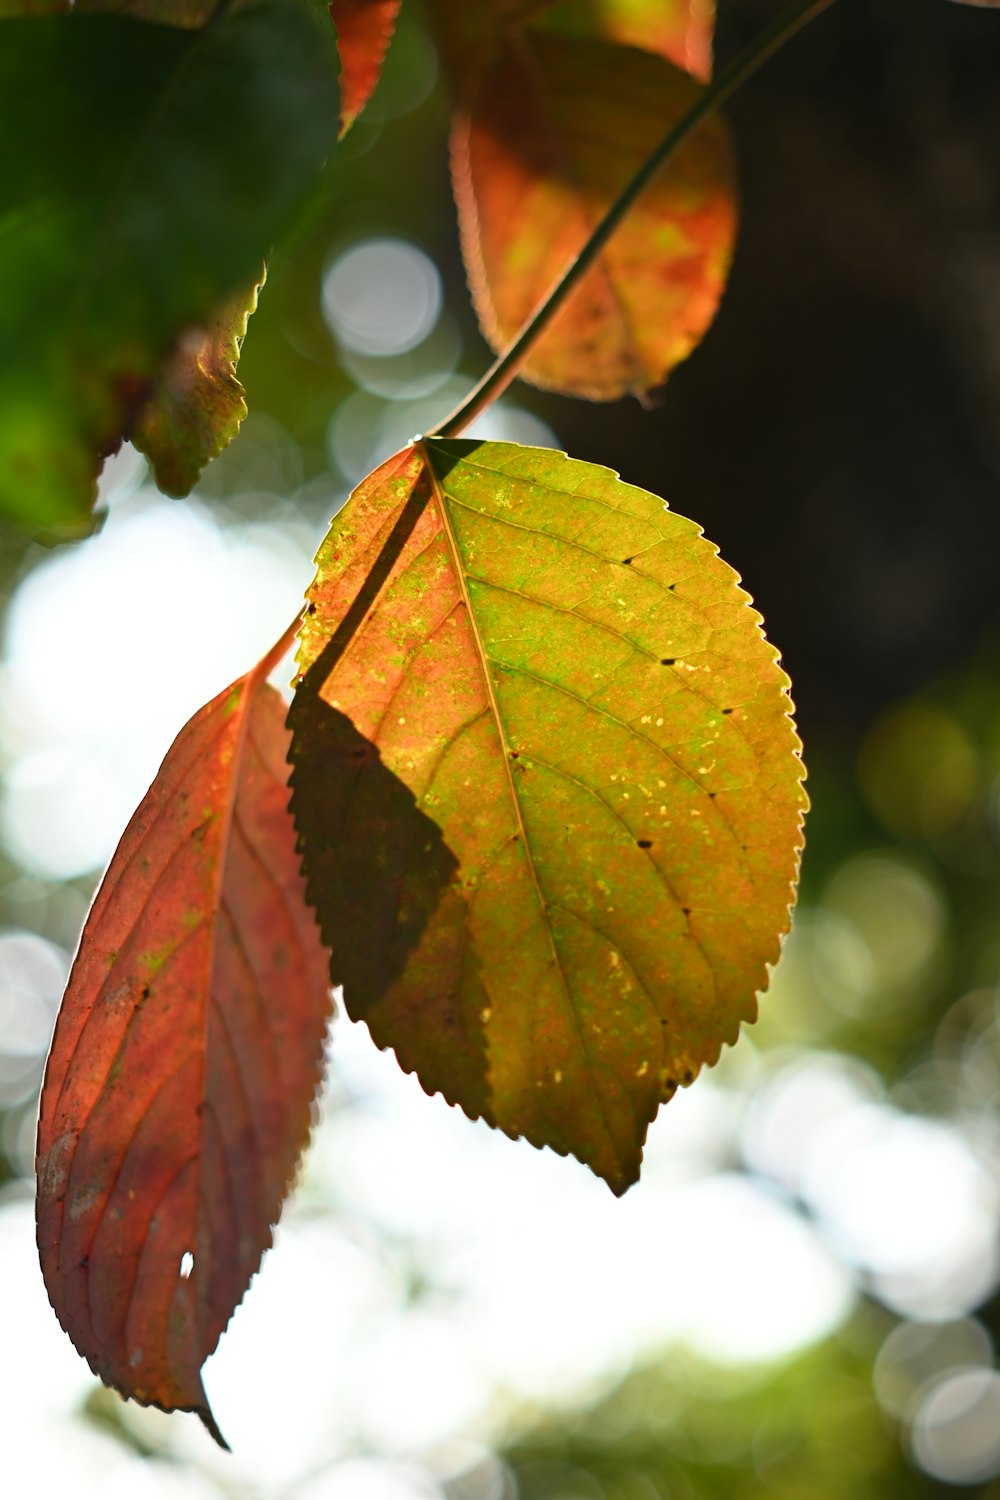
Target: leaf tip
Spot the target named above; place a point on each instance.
(204, 1413)
(620, 1185)
(624, 1174)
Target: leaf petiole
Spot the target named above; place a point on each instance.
(281, 647)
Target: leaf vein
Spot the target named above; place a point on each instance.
(630, 729)
(599, 797)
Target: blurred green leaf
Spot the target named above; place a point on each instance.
(144, 173)
(808, 1428)
(197, 404)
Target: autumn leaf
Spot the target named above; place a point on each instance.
(566, 692)
(144, 173)
(679, 30)
(186, 1054)
(196, 403)
(364, 31)
(559, 126)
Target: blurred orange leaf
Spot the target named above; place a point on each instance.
(559, 126)
(547, 789)
(186, 1054)
(679, 30)
(364, 31)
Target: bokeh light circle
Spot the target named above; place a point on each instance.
(381, 297)
(956, 1432)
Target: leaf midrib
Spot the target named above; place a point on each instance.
(251, 685)
(543, 904)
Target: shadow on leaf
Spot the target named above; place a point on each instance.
(376, 867)
(383, 882)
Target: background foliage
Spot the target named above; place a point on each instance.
(836, 434)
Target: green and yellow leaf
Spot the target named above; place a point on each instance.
(547, 790)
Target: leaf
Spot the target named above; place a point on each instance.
(144, 172)
(196, 403)
(186, 1054)
(679, 30)
(364, 31)
(558, 128)
(575, 691)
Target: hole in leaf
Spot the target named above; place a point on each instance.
(187, 1265)
(626, 561)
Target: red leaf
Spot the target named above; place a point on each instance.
(364, 31)
(186, 1054)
